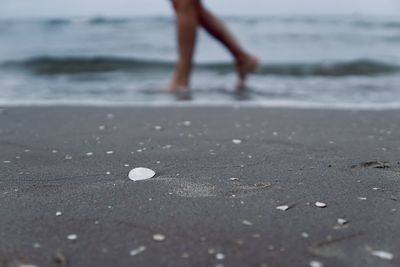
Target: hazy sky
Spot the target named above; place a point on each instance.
(53, 8)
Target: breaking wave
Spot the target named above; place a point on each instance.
(47, 65)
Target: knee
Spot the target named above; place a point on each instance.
(183, 6)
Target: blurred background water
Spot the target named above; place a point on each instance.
(348, 60)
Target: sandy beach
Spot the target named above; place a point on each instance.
(221, 173)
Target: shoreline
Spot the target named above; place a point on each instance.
(198, 104)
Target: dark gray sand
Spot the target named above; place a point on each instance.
(348, 160)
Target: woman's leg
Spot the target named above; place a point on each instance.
(245, 62)
(187, 23)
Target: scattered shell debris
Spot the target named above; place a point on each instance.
(137, 251)
(72, 237)
(140, 173)
(283, 207)
(158, 237)
(382, 254)
(320, 204)
(236, 141)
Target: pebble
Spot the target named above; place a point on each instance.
(137, 251)
(219, 256)
(316, 264)
(283, 207)
(320, 204)
(158, 237)
(305, 235)
(245, 222)
(72, 237)
(382, 254)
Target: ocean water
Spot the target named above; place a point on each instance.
(305, 60)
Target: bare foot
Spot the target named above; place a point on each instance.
(244, 67)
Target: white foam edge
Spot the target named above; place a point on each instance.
(199, 103)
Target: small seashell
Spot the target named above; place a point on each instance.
(320, 204)
(158, 237)
(316, 264)
(219, 256)
(137, 251)
(236, 141)
(342, 221)
(140, 173)
(382, 254)
(283, 207)
(72, 237)
(245, 222)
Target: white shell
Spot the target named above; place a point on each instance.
(236, 141)
(219, 256)
(246, 222)
(158, 237)
(137, 251)
(72, 237)
(382, 254)
(342, 221)
(283, 207)
(316, 264)
(138, 174)
(320, 204)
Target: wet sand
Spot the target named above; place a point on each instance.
(66, 200)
